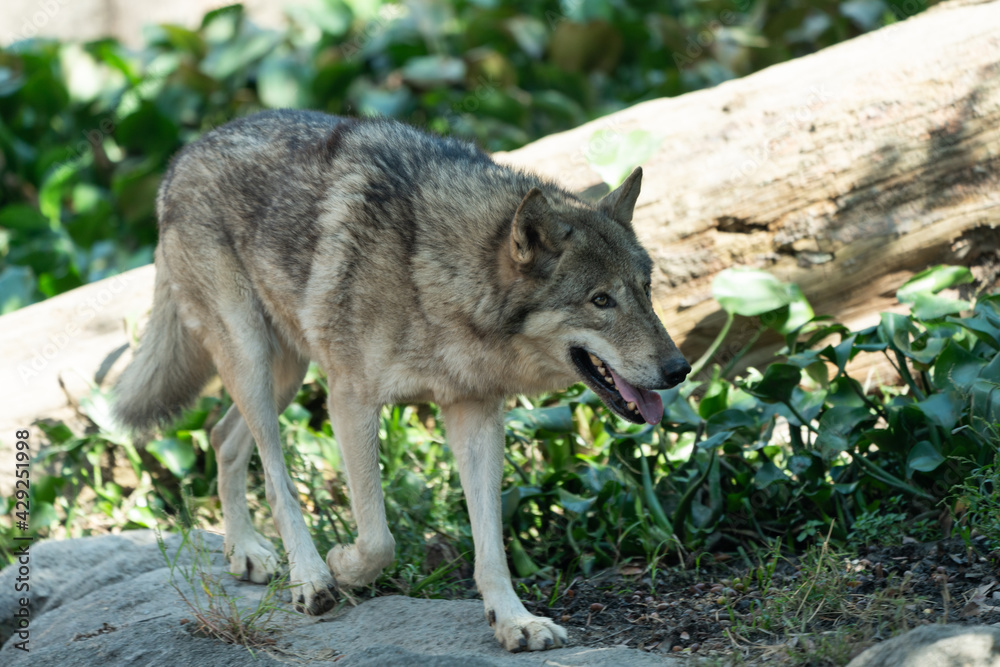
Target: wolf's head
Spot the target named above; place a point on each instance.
(592, 313)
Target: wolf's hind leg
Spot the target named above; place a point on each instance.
(245, 354)
(475, 434)
(251, 555)
(356, 430)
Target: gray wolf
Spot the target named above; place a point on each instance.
(411, 268)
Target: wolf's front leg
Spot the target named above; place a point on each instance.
(356, 429)
(475, 434)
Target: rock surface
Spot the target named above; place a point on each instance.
(936, 646)
(108, 601)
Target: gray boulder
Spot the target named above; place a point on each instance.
(936, 646)
(108, 601)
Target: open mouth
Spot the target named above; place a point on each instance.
(632, 403)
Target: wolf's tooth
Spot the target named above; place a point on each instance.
(594, 360)
(631, 406)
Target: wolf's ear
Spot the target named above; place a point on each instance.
(620, 203)
(537, 232)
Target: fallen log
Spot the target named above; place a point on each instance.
(845, 172)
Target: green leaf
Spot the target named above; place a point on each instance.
(991, 371)
(373, 101)
(43, 515)
(789, 318)
(283, 83)
(56, 432)
(929, 352)
(943, 410)
(985, 406)
(331, 16)
(10, 81)
(807, 403)
(227, 59)
(177, 456)
(932, 281)
(799, 464)
(614, 155)
(434, 71)
(731, 420)
(768, 474)
(750, 292)
(835, 427)
(45, 488)
(584, 11)
(558, 418)
(530, 34)
(715, 440)
(679, 410)
(574, 503)
(841, 353)
(778, 383)
(17, 288)
(866, 14)
(716, 398)
(924, 457)
(956, 368)
(142, 516)
(23, 218)
(845, 391)
(804, 359)
(223, 23)
(148, 130)
(522, 561)
(981, 326)
(930, 307)
(896, 329)
(510, 499)
(54, 189)
(184, 40)
(652, 501)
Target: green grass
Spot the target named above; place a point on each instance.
(214, 611)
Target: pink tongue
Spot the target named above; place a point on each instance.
(649, 402)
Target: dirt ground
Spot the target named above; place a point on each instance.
(719, 612)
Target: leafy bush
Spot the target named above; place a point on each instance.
(87, 130)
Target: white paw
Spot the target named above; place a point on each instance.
(351, 568)
(253, 559)
(313, 595)
(526, 633)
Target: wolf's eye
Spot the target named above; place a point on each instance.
(603, 301)
(649, 293)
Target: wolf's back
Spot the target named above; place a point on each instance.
(259, 191)
(169, 369)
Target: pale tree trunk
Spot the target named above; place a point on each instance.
(845, 172)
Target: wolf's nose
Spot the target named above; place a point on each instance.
(675, 370)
